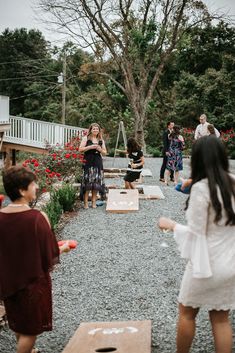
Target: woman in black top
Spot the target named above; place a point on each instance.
(93, 147)
(135, 164)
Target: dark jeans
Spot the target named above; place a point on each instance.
(163, 168)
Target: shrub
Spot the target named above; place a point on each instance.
(53, 210)
(66, 196)
(154, 151)
(61, 163)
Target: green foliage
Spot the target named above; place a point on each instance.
(66, 196)
(22, 53)
(199, 78)
(53, 209)
(153, 151)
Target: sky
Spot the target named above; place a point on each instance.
(21, 13)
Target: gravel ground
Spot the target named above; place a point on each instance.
(121, 271)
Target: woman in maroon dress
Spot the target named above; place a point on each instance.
(28, 252)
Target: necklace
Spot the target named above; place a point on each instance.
(18, 205)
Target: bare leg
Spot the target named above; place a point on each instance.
(127, 185)
(176, 177)
(86, 195)
(185, 328)
(132, 186)
(222, 331)
(25, 343)
(94, 198)
(167, 176)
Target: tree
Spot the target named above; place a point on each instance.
(138, 36)
(22, 57)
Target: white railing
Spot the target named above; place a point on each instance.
(37, 133)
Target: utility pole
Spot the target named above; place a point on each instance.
(64, 92)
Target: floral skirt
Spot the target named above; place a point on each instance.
(93, 179)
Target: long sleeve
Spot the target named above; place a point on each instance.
(165, 141)
(191, 239)
(217, 133)
(196, 135)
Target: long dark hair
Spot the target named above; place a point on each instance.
(175, 132)
(132, 145)
(99, 135)
(209, 160)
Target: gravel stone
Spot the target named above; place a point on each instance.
(122, 271)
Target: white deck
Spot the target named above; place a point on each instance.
(37, 133)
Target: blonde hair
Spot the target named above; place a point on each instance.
(99, 136)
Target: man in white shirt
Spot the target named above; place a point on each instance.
(202, 130)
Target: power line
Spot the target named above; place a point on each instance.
(32, 94)
(25, 77)
(22, 61)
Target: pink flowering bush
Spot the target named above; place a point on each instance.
(61, 163)
(228, 137)
(188, 135)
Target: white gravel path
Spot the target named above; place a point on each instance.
(120, 271)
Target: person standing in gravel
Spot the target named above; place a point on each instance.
(208, 242)
(93, 147)
(202, 128)
(28, 252)
(166, 144)
(136, 163)
(174, 155)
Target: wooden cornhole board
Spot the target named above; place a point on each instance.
(122, 200)
(114, 170)
(116, 336)
(152, 192)
(113, 175)
(146, 173)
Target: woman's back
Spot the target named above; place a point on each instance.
(219, 236)
(27, 247)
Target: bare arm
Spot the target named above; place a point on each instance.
(102, 149)
(134, 166)
(83, 148)
(63, 248)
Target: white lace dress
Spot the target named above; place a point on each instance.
(209, 277)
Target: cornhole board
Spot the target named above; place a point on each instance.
(152, 192)
(113, 175)
(114, 170)
(116, 336)
(146, 173)
(122, 200)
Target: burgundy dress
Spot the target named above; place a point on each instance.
(28, 251)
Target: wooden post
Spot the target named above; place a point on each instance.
(7, 159)
(13, 154)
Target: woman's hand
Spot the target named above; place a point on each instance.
(65, 247)
(185, 183)
(99, 148)
(166, 223)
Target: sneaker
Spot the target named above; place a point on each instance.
(172, 179)
(162, 180)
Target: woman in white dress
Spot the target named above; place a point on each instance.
(208, 242)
